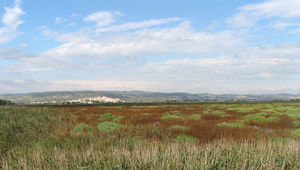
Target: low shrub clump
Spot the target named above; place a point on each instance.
(172, 115)
(296, 132)
(260, 118)
(218, 112)
(109, 126)
(296, 123)
(185, 138)
(231, 124)
(177, 127)
(110, 117)
(81, 127)
(194, 117)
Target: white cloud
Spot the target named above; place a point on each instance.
(227, 74)
(137, 25)
(280, 25)
(23, 45)
(251, 13)
(255, 69)
(11, 21)
(74, 15)
(59, 20)
(102, 18)
(294, 31)
(82, 35)
(21, 86)
(13, 54)
(71, 24)
(177, 39)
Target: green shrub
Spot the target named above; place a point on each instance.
(241, 109)
(218, 112)
(260, 118)
(185, 138)
(292, 112)
(194, 117)
(296, 132)
(110, 117)
(206, 112)
(81, 127)
(165, 117)
(215, 112)
(233, 124)
(296, 123)
(109, 126)
(177, 127)
(175, 112)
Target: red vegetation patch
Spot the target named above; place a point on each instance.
(149, 117)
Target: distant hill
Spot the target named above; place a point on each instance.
(139, 96)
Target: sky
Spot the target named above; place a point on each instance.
(207, 46)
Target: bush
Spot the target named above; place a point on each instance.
(296, 132)
(81, 127)
(110, 117)
(194, 117)
(177, 127)
(4, 102)
(296, 123)
(109, 126)
(185, 138)
(232, 125)
(260, 118)
(171, 117)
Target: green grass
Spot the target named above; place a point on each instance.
(110, 117)
(185, 138)
(34, 138)
(232, 124)
(241, 109)
(296, 132)
(109, 126)
(109, 107)
(22, 127)
(165, 117)
(218, 112)
(206, 112)
(175, 114)
(215, 112)
(296, 123)
(177, 127)
(194, 117)
(146, 114)
(81, 127)
(292, 112)
(260, 118)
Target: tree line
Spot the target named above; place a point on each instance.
(5, 102)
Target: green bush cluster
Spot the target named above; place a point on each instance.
(109, 122)
(81, 127)
(110, 117)
(109, 126)
(177, 127)
(231, 124)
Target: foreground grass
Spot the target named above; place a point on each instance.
(41, 138)
(116, 152)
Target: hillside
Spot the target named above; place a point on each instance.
(137, 96)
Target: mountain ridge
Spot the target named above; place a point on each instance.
(139, 96)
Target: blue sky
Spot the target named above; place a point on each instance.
(214, 46)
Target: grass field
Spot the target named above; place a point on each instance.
(192, 136)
